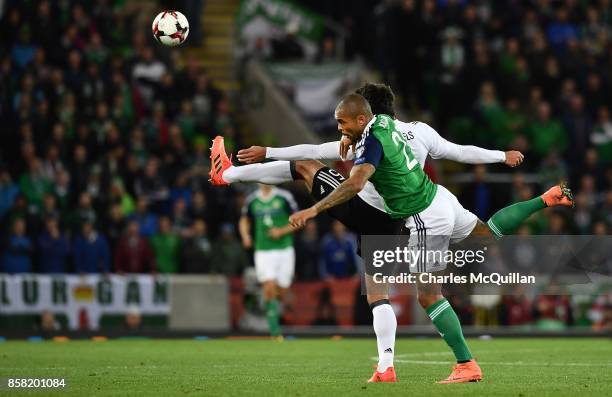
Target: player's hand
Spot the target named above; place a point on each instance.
(345, 146)
(247, 242)
(254, 154)
(514, 158)
(299, 219)
(275, 233)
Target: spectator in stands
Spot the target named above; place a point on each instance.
(201, 209)
(79, 169)
(148, 73)
(91, 251)
(133, 253)
(552, 310)
(196, 250)
(48, 323)
(308, 252)
(18, 250)
(516, 309)
(166, 246)
(122, 198)
(338, 253)
(228, 256)
(601, 136)
(34, 184)
(85, 212)
(561, 30)
(478, 195)
(287, 46)
(53, 248)
(61, 190)
(578, 124)
(8, 192)
(180, 217)
(114, 225)
(545, 132)
(133, 318)
(152, 186)
(145, 219)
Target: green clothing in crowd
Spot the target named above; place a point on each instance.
(545, 135)
(166, 249)
(34, 188)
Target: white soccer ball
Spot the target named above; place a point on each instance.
(170, 28)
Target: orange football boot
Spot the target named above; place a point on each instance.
(559, 195)
(387, 376)
(464, 372)
(219, 162)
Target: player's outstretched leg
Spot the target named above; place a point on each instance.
(222, 172)
(508, 219)
(447, 323)
(219, 162)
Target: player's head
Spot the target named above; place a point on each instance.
(380, 97)
(353, 114)
(265, 189)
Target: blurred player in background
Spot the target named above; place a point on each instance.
(264, 227)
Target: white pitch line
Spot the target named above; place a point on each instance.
(450, 354)
(405, 359)
(71, 368)
(515, 363)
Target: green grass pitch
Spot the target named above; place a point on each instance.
(308, 367)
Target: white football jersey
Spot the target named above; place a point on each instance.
(425, 141)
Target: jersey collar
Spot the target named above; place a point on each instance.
(270, 197)
(369, 125)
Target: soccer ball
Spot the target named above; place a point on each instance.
(170, 28)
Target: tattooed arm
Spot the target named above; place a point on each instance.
(343, 193)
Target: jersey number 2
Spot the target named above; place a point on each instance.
(399, 140)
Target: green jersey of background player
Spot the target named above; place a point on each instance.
(268, 213)
(265, 216)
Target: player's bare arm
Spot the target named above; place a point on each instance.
(277, 232)
(244, 227)
(343, 193)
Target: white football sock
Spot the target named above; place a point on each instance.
(385, 325)
(272, 173)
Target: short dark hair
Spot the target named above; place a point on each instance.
(380, 97)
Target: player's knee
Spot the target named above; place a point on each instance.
(426, 300)
(307, 168)
(481, 230)
(270, 290)
(378, 299)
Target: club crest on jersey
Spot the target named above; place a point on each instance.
(383, 122)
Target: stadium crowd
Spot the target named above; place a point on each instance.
(528, 75)
(104, 155)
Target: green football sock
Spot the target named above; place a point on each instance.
(447, 323)
(273, 316)
(508, 219)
